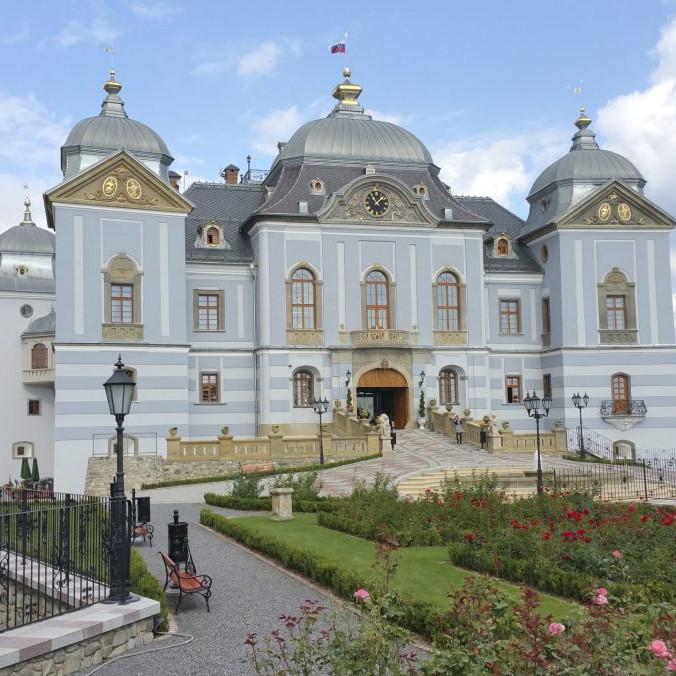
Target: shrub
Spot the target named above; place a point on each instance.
(264, 504)
(247, 486)
(145, 584)
(306, 486)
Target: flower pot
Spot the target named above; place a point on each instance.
(421, 423)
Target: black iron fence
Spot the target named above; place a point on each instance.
(54, 554)
(632, 480)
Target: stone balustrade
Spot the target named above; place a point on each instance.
(502, 439)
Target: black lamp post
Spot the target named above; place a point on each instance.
(580, 403)
(119, 391)
(532, 404)
(321, 406)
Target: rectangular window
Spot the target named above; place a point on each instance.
(547, 385)
(34, 407)
(122, 303)
(546, 317)
(208, 312)
(510, 317)
(616, 316)
(209, 393)
(513, 389)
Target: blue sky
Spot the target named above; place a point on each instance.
(488, 86)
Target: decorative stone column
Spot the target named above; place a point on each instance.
(560, 437)
(276, 442)
(225, 444)
(281, 504)
(173, 445)
(372, 440)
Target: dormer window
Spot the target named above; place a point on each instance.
(317, 187)
(213, 237)
(420, 190)
(503, 247)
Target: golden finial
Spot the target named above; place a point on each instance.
(346, 92)
(112, 86)
(346, 73)
(27, 217)
(583, 121)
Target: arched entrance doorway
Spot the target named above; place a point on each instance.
(384, 391)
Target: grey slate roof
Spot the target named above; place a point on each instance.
(42, 325)
(229, 205)
(292, 185)
(504, 221)
(27, 239)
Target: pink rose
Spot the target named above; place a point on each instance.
(600, 600)
(659, 649)
(617, 554)
(361, 594)
(556, 628)
(672, 665)
(602, 591)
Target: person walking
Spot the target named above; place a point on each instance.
(458, 430)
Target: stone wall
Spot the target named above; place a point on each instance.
(87, 653)
(138, 469)
(25, 605)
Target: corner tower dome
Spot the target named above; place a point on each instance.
(94, 138)
(348, 134)
(583, 169)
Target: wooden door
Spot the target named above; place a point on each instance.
(620, 394)
(400, 408)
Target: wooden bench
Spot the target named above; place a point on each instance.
(187, 583)
(143, 530)
(257, 469)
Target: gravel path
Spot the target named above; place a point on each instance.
(249, 595)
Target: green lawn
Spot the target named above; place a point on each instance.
(424, 572)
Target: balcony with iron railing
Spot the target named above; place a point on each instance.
(630, 407)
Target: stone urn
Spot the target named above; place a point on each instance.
(505, 424)
(338, 404)
(225, 430)
(449, 408)
(173, 431)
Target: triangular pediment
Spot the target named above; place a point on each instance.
(118, 181)
(616, 207)
(375, 199)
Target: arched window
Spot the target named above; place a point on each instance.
(213, 236)
(621, 393)
(377, 300)
(617, 308)
(39, 356)
(448, 387)
(122, 300)
(303, 388)
(503, 247)
(448, 304)
(303, 315)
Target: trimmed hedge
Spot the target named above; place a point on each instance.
(265, 504)
(144, 583)
(418, 616)
(279, 470)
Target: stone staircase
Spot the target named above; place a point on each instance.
(520, 481)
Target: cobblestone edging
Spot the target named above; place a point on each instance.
(79, 639)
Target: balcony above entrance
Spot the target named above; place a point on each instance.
(372, 337)
(623, 414)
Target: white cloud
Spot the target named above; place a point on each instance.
(97, 31)
(261, 60)
(501, 168)
(19, 36)
(252, 61)
(394, 118)
(274, 127)
(154, 10)
(30, 138)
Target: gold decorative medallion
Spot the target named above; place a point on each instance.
(604, 212)
(624, 211)
(109, 187)
(133, 189)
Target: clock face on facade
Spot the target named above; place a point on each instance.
(377, 203)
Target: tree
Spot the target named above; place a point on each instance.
(35, 474)
(26, 474)
(421, 406)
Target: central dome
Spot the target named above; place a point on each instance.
(349, 134)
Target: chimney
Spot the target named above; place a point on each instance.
(175, 180)
(231, 174)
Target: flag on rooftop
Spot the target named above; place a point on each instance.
(339, 47)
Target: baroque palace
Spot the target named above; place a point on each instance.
(349, 265)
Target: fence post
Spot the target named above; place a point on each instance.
(554, 477)
(24, 524)
(645, 481)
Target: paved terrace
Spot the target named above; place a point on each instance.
(415, 452)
